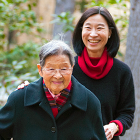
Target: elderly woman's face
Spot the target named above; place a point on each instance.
(95, 34)
(56, 72)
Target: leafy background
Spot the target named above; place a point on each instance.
(18, 61)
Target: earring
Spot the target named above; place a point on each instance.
(109, 37)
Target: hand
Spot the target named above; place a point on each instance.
(26, 83)
(110, 130)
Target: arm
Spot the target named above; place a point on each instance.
(96, 116)
(124, 112)
(98, 128)
(126, 106)
(7, 114)
(1, 138)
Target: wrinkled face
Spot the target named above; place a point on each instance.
(57, 82)
(95, 34)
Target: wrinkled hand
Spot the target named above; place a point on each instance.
(110, 130)
(26, 83)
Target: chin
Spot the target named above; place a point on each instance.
(58, 89)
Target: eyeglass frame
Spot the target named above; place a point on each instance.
(45, 69)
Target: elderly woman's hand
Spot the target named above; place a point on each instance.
(110, 130)
(26, 83)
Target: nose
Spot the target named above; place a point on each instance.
(57, 74)
(93, 32)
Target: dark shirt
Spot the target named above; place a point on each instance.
(115, 92)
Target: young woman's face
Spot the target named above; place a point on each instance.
(95, 34)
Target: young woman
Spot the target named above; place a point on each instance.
(96, 43)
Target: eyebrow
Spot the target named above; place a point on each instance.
(51, 64)
(100, 24)
(87, 24)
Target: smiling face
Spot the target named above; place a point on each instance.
(95, 34)
(57, 82)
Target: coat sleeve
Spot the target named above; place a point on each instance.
(1, 138)
(7, 114)
(126, 106)
(97, 123)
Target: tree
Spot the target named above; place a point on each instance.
(132, 58)
(63, 6)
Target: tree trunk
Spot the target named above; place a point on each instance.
(63, 6)
(132, 58)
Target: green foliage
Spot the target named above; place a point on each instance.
(104, 3)
(67, 19)
(16, 16)
(101, 3)
(20, 65)
(18, 62)
(81, 4)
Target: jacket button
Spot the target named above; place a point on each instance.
(53, 129)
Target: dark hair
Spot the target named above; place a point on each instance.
(113, 42)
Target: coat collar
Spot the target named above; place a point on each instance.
(79, 95)
(34, 93)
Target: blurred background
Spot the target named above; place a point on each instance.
(25, 25)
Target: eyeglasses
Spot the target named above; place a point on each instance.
(51, 71)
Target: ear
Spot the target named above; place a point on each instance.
(110, 32)
(39, 70)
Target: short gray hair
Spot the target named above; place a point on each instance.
(55, 47)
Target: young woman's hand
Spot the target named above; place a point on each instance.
(26, 83)
(110, 130)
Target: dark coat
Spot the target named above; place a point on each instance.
(27, 115)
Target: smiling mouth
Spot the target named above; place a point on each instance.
(57, 82)
(94, 41)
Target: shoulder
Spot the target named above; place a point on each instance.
(123, 73)
(121, 67)
(17, 95)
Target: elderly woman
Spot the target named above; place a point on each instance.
(56, 107)
(96, 43)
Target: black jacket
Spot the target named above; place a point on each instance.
(27, 115)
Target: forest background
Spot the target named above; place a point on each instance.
(25, 25)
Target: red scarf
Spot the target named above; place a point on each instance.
(60, 101)
(98, 71)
